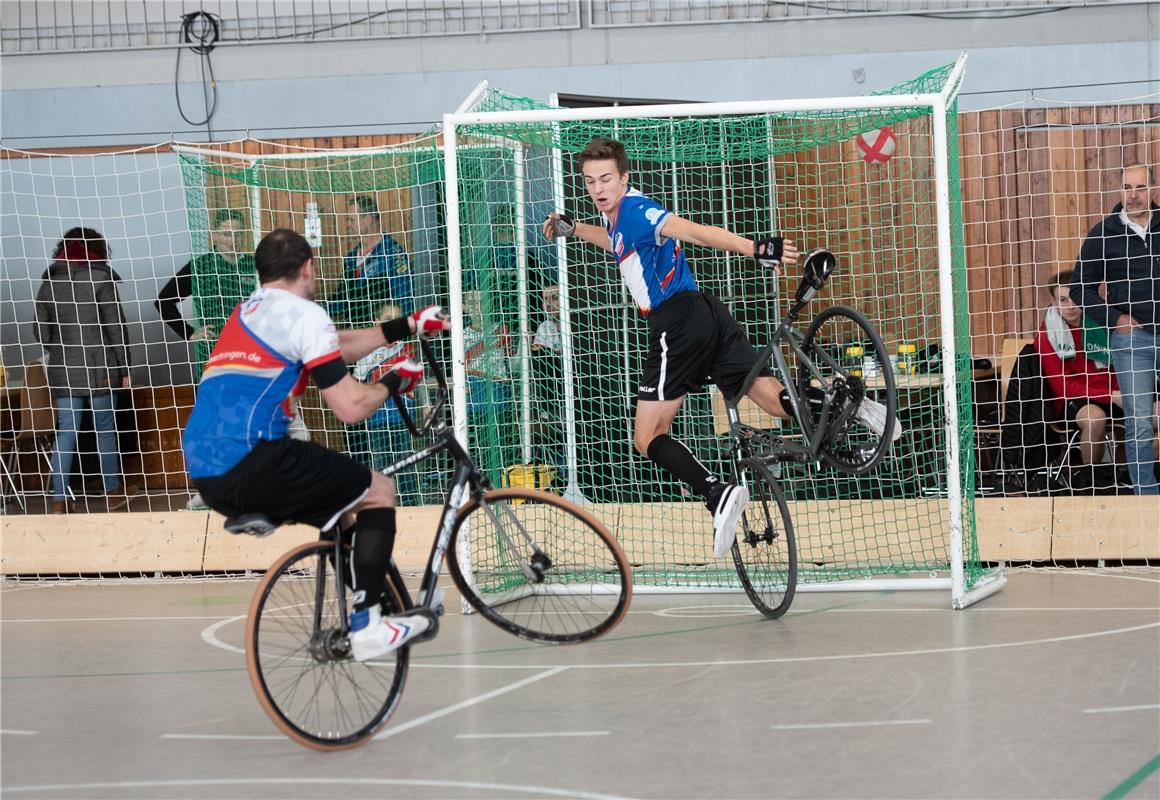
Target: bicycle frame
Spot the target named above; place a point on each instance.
(466, 478)
(818, 267)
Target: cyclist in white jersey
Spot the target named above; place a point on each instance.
(237, 445)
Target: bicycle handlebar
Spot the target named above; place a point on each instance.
(427, 420)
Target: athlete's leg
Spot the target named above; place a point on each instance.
(374, 539)
(651, 438)
(653, 418)
(371, 634)
(769, 394)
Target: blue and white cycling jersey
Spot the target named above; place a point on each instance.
(652, 265)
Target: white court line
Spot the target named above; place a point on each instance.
(511, 687)
(535, 735)
(870, 724)
(1095, 574)
(12, 732)
(745, 662)
(1113, 709)
(219, 736)
(114, 619)
(659, 612)
(504, 789)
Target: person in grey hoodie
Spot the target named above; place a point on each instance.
(80, 324)
(1123, 252)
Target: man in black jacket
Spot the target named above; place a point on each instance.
(1123, 252)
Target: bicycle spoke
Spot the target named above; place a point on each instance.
(309, 685)
(541, 567)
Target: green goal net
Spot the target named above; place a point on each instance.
(857, 176)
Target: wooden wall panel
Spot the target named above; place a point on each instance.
(1033, 182)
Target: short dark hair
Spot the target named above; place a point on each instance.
(601, 149)
(281, 254)
(1062, 279)
(366, 204)
(81, 244)
(227, 215)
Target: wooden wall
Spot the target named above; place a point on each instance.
(1033, 181)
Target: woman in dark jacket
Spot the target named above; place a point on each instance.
(80, 323)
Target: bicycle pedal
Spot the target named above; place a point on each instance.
(432, 631)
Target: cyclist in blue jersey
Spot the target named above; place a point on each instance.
(237, 443)
(692, 336)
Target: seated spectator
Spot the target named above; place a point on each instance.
(548, 331)
(81, 325)
(1075, 365)
(383, 438)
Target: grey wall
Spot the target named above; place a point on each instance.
(1101, 54)
(407, 84)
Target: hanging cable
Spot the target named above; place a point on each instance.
(201, 31)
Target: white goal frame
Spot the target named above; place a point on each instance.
(937, 104)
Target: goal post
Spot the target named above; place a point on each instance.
(792, 166)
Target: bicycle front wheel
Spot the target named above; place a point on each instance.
(298, 656)
(764, 550)
(861, 442)
(540, 567)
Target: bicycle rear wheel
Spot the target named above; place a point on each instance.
(298, 656)
(851, 446)
(540, 567)
(764, 550)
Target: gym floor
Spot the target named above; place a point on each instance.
(1050, 688)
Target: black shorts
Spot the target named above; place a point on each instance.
(288, 480)
(693, 339)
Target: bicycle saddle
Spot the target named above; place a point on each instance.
(252, 524)
(818, 266)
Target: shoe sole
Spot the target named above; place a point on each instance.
(876, 425)
(737, 497)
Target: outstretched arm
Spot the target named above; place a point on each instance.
(718, 238)
(360, 342)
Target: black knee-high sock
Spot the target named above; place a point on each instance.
(680, 462)
(814, 398)
(374, 540)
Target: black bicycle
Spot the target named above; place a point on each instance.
(826, 391)
(531, 562)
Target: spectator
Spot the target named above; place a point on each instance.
(1122, 252)
(488, 349)
(217, 281)
(548, 381)
(374, 271)
(1076, 369)
(383, 438)
(548, 332)
(81, 325)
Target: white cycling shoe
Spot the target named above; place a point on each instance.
(872, 414)
(726, 517)
(373, 635)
